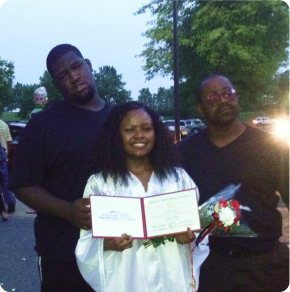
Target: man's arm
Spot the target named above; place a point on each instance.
(77, 212)
(9, 145)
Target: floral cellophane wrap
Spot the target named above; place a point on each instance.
(207, 209)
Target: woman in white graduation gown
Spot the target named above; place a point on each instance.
(136, 158)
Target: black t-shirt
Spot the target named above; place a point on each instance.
(256, 160)
(52, 154)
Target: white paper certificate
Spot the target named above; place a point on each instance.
(171, 213)
(113, 216)
(145, 217)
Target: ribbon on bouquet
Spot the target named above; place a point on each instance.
(192, 284)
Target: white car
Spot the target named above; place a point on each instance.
(171, 126)
(259, 121)
(194, 125)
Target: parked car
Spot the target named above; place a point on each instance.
(194, 125)
(15, 130)
(260, 121)
(171, 126)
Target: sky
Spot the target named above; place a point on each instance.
(105, 31)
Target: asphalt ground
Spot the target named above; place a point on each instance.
(18, 260)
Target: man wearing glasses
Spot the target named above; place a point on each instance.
(230, 152)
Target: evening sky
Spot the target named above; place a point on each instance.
(105, 31)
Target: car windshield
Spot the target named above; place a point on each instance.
(172, 123)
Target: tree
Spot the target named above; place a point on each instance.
(282, 93)
(24, 95)
(110, 86)
(6, 81)
(52, 91)
(25, 99)
(164, 100)
(145, 96)
(246, 40)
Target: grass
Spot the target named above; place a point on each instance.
(8, 116)
(247, 117)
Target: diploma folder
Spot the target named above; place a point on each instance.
(144, 218)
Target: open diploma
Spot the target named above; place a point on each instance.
(145, 218)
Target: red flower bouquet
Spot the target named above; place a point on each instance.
(222, 210)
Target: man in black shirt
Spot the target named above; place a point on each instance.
(49, 174)
(229, 152)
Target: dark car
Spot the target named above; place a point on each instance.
(15, 130)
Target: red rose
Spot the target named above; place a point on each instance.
(235, 204)
(215, 216)
(223, 203)
(227, 229)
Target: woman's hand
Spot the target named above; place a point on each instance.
(185, 237)
(118, 244)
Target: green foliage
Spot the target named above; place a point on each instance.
(282, 94)
(52, 91)
(162, 102)
(9, 116)
(247, 117)
(25, 101)
(6, 79)
(24, 95)
(245, 40)
(109, 83)
(145, 96)
(110, 86)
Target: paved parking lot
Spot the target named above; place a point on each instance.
(18, 260)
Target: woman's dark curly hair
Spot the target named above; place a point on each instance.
(110, 156)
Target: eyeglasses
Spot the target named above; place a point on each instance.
(228, 94)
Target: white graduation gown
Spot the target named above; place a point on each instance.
(162, 269)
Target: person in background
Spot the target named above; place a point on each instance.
(3, 213)
(40, 100)
(137, 159)
(230, 152)
(3, 169)
(8, 196)
(48, 174)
